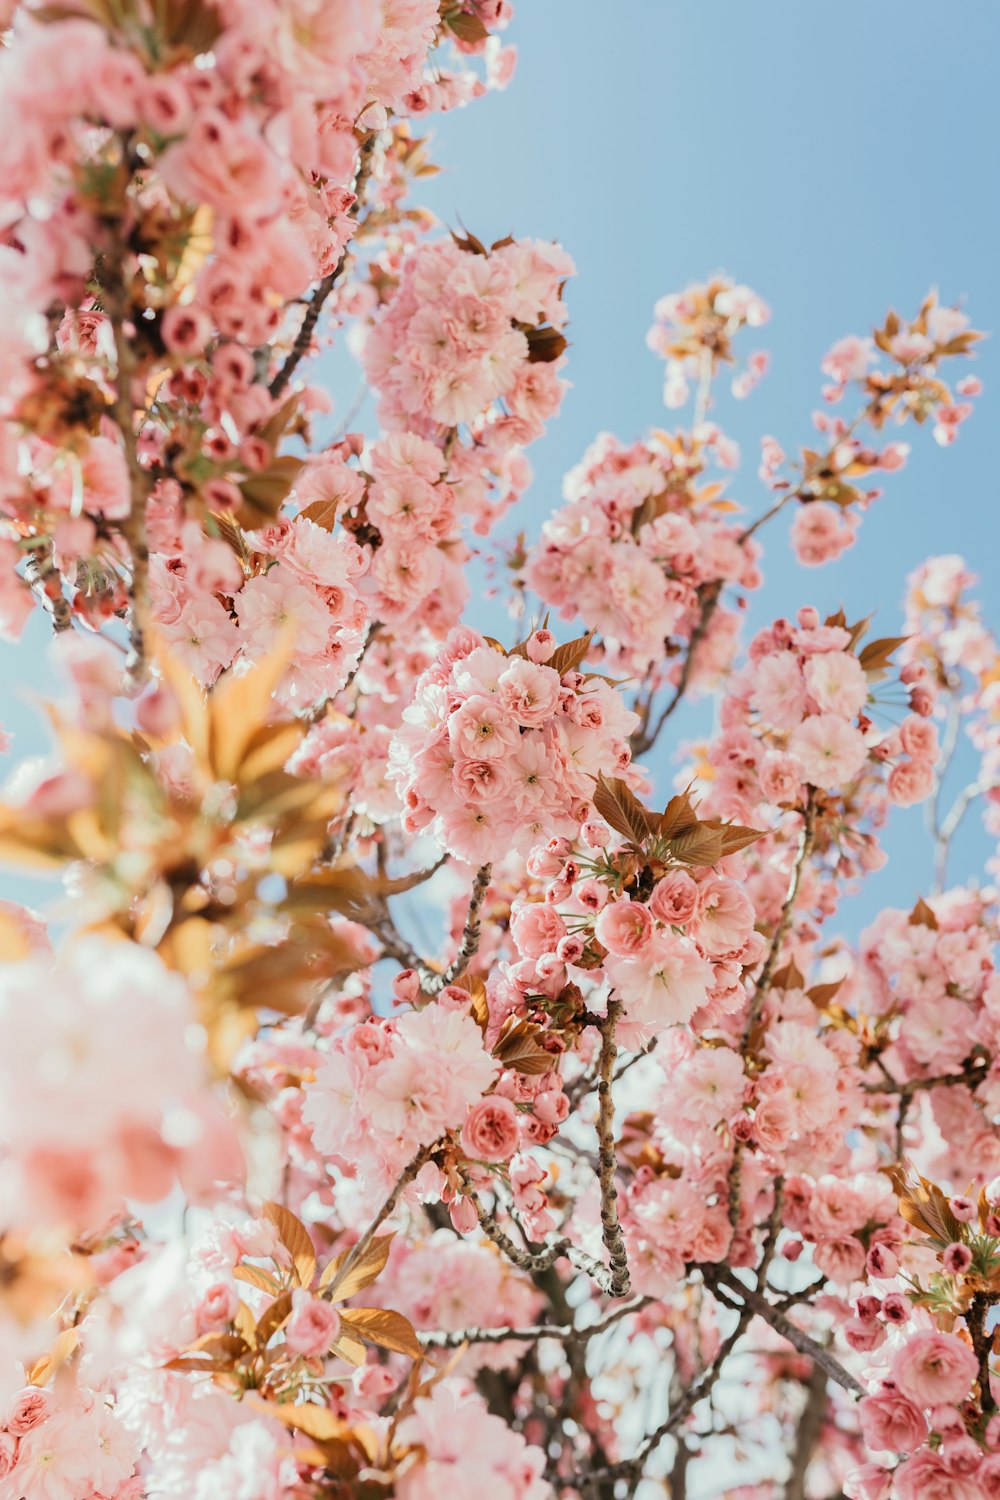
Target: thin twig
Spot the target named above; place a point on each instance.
(322, 290)
(564, 1333)
(45, 580)
(796, 1336)
(631, 1468)
(619, 1280)
(807, 1434)
(470, 936)
(408, 1174)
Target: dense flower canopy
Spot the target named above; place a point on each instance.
(292, 1204)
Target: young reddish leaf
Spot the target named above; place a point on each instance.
(701, 846)
(734, 835)
(466, 27)
(570, 656)
(621, 809)
(545, 345)
(518, 1049)
(922, 915)
(317, 1422)
(677, 817)
(788, 977)
(877, 654)
(822, 994)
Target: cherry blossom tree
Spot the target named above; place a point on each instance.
(635, 1172)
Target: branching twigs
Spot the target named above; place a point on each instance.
(564, 1333)
(796, 1336)
(709, 598)
(770, 967)
(123, 413)
(632, 1468)
(534, 1261)
(619, 1280)
(470, 936)
(322, 290)
(409, 1173)
(973, 1075)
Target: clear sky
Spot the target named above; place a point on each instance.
(838, 158)
(841, 159)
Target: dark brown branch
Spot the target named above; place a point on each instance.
(807, 1434)
(796, 1336)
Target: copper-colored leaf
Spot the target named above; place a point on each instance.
(701, 846)
(317, 1422)
(621, 809)
(258, 1277)
(518, 1048)
(922, 915)
(788, 977)
(569, 657)
(822, 994)
(344, 1277)
(735, 836)
(240, 704)
(295, 1238)
(876, 656)
(321, 513)
(545, 345)
(245, 1324)
(273, 1317)
(62, 1347)
(378, 1325)
(677, 817)
(467, 27)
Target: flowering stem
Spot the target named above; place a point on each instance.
(631, 1468)
(807, 1434)
(767, 973)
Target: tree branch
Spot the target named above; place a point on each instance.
(322, 290)
(619, 1280)
(796, 1336)
(470, 936)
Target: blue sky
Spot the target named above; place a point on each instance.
(839, 159)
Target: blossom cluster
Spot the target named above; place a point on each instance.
(499, 751)
(638, 546)
(466, 351)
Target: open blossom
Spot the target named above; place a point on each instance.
(313, 1325)
(467, 1448)
(934, 1368)
(662, 985)
(625, 928)
(490, 1131)
(390, 984)
(548, 739)
(830, 750)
